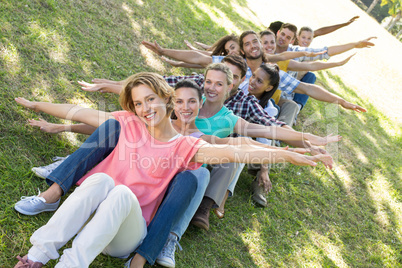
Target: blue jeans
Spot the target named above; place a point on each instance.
(202, 175)
(99, 145)
(180, 197)
(302, 99)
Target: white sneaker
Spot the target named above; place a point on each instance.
(32, 205)
(44, 171)
(166, 257)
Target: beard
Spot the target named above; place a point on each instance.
(248, 56)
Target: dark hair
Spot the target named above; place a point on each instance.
(218, 48)
(273, 71)
(244, 34)
(266, 32)
(291, 27)
(191, 84)
(237, 61)
(275, 26)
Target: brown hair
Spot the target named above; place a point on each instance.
(153, 81)
(291, 27)
(237, 61)
(218, 48)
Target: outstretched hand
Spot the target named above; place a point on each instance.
(155, 47)
(26, 103)
(103, 87)
(351, 106)
(353, 19)
(346, 60)
(365, 43)
(189, 45)
(315, 150)
(45, 126)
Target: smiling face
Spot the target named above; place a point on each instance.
(268, 43)
(236, 75)
(305, 38)
(149, 107)
(284, 38)
(187, 104)
(232, 48)
(215, 86)
(259, 83)
(252, 48)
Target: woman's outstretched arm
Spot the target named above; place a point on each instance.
(72, 112)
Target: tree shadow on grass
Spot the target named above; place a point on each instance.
(46, 46)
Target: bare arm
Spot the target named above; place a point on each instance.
(102, 86)
(181, 63)
(315, 65)
(57, 128)
(332, 28)
(202, 45)
(190, 46)
(335, 50)
(288, 55)
(321, 94)
(245, 128)
(189, 56)
(216, 154)
(72, 112)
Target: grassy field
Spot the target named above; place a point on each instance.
(348, 217)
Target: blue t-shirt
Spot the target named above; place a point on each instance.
(221, 124)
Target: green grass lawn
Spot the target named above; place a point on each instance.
(347, 217)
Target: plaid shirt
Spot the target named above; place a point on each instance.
(173, 79)
(287, 83)
(248, 108)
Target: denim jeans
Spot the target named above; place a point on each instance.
(302, 99)
(203, 176)
(99, 145)
(174, 209)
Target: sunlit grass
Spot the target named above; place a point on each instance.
(347, 217)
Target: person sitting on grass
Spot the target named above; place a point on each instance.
(119, 190)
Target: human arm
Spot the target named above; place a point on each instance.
(288, 55)
(321, 94)
(315, 65)
(245, 128)
(217, 154)
(72, 112)
(189, 56)
(181, 63)
(57, 128)
(190, 46)
(102, 86)
(335, 50)
(332, 28)
(202, 45)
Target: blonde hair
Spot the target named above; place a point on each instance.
(223, 68)
(153, 81)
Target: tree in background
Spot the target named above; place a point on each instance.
(395, 10)
(371, 7)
